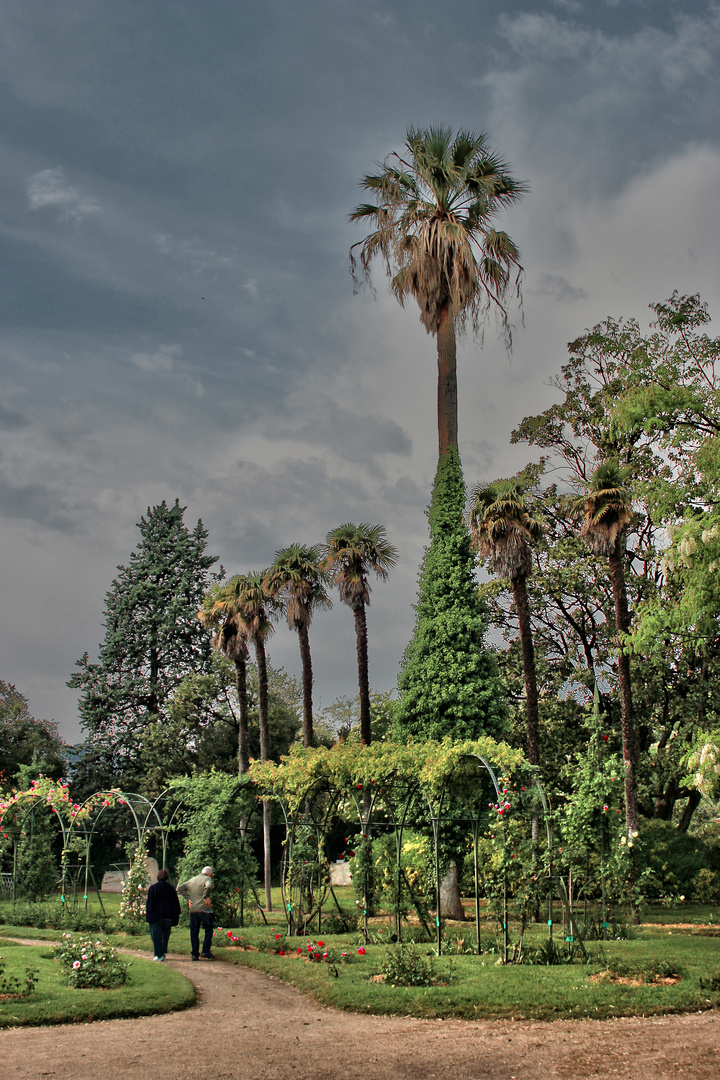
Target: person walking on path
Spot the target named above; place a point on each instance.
(162, 911)
(197, 893)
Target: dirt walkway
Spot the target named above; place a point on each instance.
(248, 1026)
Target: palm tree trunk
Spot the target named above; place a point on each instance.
(363, 678)
(241, 683)
(307, 678)
(263, 701)
(532, 721)
(264, 756)
(622, 622)
(447, 404)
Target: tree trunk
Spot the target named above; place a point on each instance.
(363, 678)
(307, 679)
(447, 403)
(519, 587)
(241, 683)
(689, 809)
(532, 720)
(264, 756)
(622, 622)
(450, 902)
(267, 863)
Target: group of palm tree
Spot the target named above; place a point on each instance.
(243, 612)
(504, 524)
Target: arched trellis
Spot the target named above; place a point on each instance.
(384, 801)
(79, 823)
(312, 816)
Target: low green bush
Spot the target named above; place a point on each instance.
(90, 964)
(673, 864)
(408, 965)
(54, 915)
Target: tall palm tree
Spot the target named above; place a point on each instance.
(299, 583)
(221, 613)
(503, 528)
(607, 513)
(434, 231)
(254, 612)
(351, 552)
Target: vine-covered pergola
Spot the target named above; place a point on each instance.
(474, 785)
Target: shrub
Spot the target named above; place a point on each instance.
(90, 964)
(58, 916)
(135, 886)
(671, 862)
(407, 965)
(706, 889)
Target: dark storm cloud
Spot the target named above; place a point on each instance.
(37, 504)
(176, 312)
(11, 419)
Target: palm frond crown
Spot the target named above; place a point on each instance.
(299, 582)
(503, 526)
(606, 509)
(434, 225)
(350, 553)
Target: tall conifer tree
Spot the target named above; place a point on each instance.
(153, 640)
(449, 683)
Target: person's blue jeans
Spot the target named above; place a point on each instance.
(160, 935)
(198, 919)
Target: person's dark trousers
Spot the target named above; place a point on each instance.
(198, 919)
(160, 935)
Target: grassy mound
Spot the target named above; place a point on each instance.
(150, 988)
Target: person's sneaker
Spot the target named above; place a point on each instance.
(158, 957)
(194, 957)
(208, 956)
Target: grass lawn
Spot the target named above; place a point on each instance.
(150, 988)
(474, 987)
(466, 986)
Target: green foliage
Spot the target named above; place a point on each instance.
(25, 740)
(90, 964)
(135, 885)
(408, 965)
(37, 864)
(214, 813)
(54, 915)
(677, 864)
(201, 729)
(341, 718)
(448, 684)
(153, 640)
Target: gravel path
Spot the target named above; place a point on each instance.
(248, 1026)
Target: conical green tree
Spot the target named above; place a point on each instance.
(448, 683)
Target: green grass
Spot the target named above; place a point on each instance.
(151, 988)
(480, 988)
(476, 987)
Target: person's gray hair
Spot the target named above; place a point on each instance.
(207, 870)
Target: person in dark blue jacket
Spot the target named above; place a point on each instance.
(162, 911)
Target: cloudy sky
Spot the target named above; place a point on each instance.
(178, 317)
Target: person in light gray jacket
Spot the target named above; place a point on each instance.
(197, 893)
